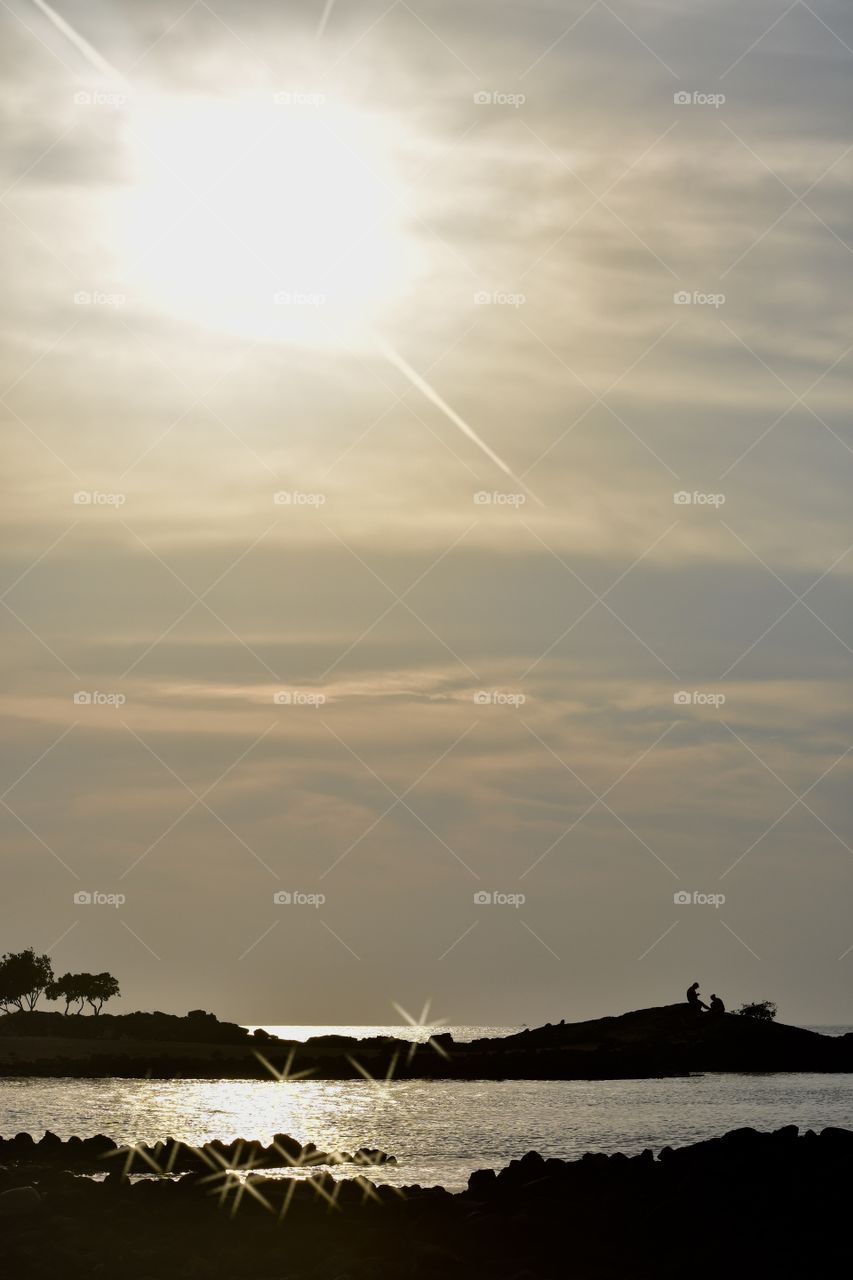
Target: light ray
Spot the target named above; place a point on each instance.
(285, 1075)
(80, 43)
(324, 19)
(381, 1086)
(422, 1024)
(420, 384)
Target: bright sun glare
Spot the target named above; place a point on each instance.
(277, 220)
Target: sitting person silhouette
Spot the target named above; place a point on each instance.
(716, 1007)
(693, 999)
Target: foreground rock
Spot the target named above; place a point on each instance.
(19, 1202)
(100, 1154)
(667, 1041)
(745, 1205)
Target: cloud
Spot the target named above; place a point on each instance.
(550, 229)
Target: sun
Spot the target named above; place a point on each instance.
(274, 219)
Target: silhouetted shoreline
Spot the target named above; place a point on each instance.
(746, 1204)
(671, 1040)
(101, 1155)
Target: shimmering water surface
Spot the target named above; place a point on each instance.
(405, 1031)
(439, 1130)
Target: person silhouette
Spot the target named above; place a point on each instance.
(716, 1007)
(693, 999)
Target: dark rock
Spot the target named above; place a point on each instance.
(781, 1202)
(670, 1040)
(745, 1137)
(287, 1144)
(839, 1139)
(789, 1133)
(19, 1202)
(372, 1156)
(482, 1181)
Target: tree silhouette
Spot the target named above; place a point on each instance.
(23, 977)
(71, 988)
(99, 988)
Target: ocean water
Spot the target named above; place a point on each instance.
(405, 1031)
(420, 1033)
(440, 1131)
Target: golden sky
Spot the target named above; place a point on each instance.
(403, 405)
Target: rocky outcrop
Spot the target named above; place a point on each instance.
(100, 1154)
(19, 1202)
(667, 1041)
(195, 1027)
(742, 1206)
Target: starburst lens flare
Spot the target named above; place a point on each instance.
(240, 1171)
(274, 218)
(424, 1026)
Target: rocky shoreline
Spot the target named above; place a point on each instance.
(747, 1204)
(668, 1041)
(101, 1155)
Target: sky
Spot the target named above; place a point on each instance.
(426, 550)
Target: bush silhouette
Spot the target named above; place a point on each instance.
(760, 1010)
